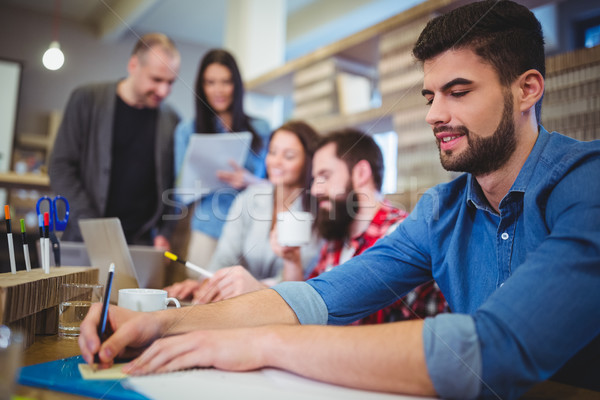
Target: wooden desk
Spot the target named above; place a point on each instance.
(44, 349)
(50, 348)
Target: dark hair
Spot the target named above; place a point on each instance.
(309, 139)
(205, 115)
(149, 40)
(503, 33)
(353, 146)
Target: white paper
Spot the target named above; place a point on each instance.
(263, 384)
(205, 155)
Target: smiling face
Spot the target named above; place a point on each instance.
(285, 159)
(153, 75)
(218, 87)
(471, 113)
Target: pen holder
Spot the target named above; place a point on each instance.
(29, 300)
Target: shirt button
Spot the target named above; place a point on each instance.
(504, 236)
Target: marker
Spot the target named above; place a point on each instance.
(25, 246)
(47, 243)
(188, 264)
(11, 249)
(42, 251)
(104, 315)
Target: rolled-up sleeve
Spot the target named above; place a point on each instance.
(304, 301)
(453, 355)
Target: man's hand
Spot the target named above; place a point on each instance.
(226, 283)
(131, 331)
(228, 349)
(184, 290)
(161, 243)
(293, 269)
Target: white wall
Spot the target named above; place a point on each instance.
(26, 35)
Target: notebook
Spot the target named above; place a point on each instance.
(63, 376)
(135, 266)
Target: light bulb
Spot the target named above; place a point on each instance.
(53, 58)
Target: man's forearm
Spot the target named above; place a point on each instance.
(263, 307)
(387, 357)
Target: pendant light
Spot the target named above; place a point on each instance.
(54, 58)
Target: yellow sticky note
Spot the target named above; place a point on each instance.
(112, 373)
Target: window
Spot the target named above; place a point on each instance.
(587, 32)
(592, 36)
(388, 143)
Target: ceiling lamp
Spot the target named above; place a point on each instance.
(54, 58)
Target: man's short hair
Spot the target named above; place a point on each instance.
(352, 146)
(149, 40)
(503, 33)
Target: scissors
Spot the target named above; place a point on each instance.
(55, 223)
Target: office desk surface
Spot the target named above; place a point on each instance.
(50, 348)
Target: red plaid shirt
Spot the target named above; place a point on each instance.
(424, 301)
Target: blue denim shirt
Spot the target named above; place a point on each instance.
(523, 284)
(211, 210)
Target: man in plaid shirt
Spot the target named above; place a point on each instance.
(352, 216)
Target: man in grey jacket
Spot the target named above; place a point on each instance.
(113, 155)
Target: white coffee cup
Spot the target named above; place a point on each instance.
(294, 228)
(145, 299)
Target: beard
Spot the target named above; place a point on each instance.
(334, 224)
(484, 155)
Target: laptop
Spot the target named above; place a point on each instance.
(135, 266)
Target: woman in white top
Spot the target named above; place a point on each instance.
(248, 238)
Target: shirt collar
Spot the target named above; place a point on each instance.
(475, 195)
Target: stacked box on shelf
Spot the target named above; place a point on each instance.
(418, 157)
(400, 77)
(400, 82)
(571, 102)
(331, 86)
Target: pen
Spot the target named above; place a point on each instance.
(42, 251)
(188, 264)
(11, 250)
(46, 243)
(25, 245)
(104, 315)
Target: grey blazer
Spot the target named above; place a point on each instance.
(80, 164)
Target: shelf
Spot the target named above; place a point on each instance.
(33, 141)
(10, 180)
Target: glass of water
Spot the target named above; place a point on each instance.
(75, 302)
(11, 353)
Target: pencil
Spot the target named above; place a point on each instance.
(25, 245)
(188, 264)
(11, 249)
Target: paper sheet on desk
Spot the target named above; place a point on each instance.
(264, 384)
(205, 155)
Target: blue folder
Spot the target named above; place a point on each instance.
(63, 376)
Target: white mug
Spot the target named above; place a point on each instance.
(294, 228)
(145, 299)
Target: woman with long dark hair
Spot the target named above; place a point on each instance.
(219, 96)
(249, 240)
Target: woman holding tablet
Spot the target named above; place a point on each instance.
(219, 95)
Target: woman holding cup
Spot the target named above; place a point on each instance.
(249, 238)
